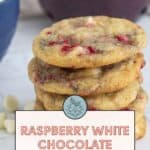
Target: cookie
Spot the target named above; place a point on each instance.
(89, 42)
(112, 101)
(84, 82)
(140, 128)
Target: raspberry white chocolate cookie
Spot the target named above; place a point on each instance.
(113, 101)
(88, 42)
(106, 79)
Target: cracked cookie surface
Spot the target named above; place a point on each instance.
(84, 82)
(87, 42)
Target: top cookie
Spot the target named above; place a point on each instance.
(86, 42)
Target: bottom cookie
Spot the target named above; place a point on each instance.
(140, 124)
(55, 102)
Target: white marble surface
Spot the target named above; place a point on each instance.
(13, 70)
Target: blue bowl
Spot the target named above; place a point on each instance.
(9, 12)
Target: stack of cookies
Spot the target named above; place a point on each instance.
(98, 58)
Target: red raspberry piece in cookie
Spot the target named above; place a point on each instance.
(91, 50)
(66, 41)
(52, 43)
(66, 48)
(124, 39)
(49, 32)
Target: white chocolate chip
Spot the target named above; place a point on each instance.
(90, 21)
(29, 106)
(10, 125)
(10, 103)
(77, 50)
(2, 119)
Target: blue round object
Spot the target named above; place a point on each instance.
(75, 107)
(9, 11)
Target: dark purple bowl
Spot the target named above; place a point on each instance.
(59, 9)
